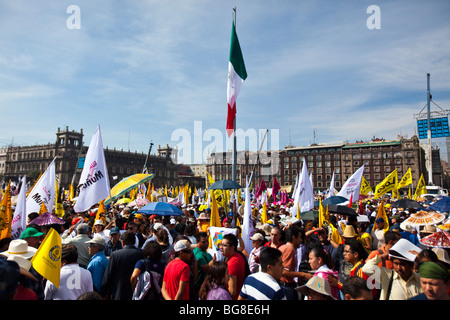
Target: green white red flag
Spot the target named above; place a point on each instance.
(236, 76)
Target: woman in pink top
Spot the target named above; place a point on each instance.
(318, 260)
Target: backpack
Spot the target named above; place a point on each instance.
(147, 287)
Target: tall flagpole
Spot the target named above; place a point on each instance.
(233, 166)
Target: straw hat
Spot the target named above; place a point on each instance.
(349, 232)
(406, 226)
(21, 248)
(442, 255)
(429, 229)
(202, 216)
(317, 284)
(24, 265)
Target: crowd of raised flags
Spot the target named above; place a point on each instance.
(94, 189)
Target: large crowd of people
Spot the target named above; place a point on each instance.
(125, 255)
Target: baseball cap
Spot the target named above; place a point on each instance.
(183, 245)
(114, 230)
(30, 232)
(257, 236)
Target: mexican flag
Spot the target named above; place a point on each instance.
(236, 76)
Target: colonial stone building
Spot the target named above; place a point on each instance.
(70, 154)
(380, 157)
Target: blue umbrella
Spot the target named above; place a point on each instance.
(442, 205)
(160, 209)
(334, 200)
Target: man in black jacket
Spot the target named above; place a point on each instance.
(116, 280)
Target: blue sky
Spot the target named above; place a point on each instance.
(145, 69)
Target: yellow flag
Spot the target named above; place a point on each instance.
(322, 218)
(264, 213)
(406, 179)
(215, 219)
(43, 208)
(381, 213)
(409, 194)
(421, 187)
(388, 184)
(6, 213)
(47, 259)
(71, 192)
(59, 208)
(365, 187)
(101, 210)
(210, 179)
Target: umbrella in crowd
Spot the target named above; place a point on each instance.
(127, 184)
(438, 239)
(334, 200)
(442, 205)
(423, 218)
(225, 185)
(345, 210)
(406, 204)
(160, 209)
(46, 219)
(123, 201)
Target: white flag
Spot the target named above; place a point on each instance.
(94, 180)
(352, 186)
(19, 222)
(304, 197)
(331, 190)
(247, 224)
(43, 191)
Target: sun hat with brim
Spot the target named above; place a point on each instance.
(30, 232)
(317, 284)
(24, 265)
(442, 255)
(349, 232)
(21, 248)
(203, 216)
(406, 226)
(97, 239)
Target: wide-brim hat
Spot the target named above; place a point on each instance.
(317, 284)
(428, 229)
(24, 265)
(21, 248)
(202, 216)
(442, 255)
(406, 226)
(349, 232)
(97, 239)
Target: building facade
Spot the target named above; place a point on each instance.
(380, 157)
(70, 154)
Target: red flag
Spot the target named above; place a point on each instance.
(275, 188)
(350, 201)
